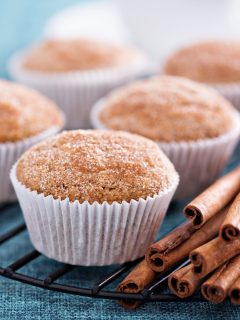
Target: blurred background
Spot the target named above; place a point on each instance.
(157, 26)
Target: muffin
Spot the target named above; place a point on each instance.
(76, 73)
(195, 126)
(26, 117)
(55, 56)
(215, 62)
(94, 197)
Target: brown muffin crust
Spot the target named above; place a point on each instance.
(25, 113)
(168, 109)
(210, 62)
(96, 166)
(71, 55)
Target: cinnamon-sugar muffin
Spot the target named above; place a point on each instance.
(193, 124)
(214, 62)
(25, 113)
(26, 117)
(96, 166)
(94, 197)
(52, 56)
(167, 109)
(76, 73)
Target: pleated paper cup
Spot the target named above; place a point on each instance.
(76, 92)
(92, 234)
(231, 92)
(198, 162)
(9, 154)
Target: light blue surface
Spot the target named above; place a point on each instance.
(21, 22)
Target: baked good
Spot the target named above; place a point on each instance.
(96, 166)
(25, 113)
(214, 62)
(54, 56)
(26, 117)
(94, 197)
(193, 124)
(168, 109)
(76, 73)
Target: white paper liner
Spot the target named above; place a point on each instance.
(231, 92)
(76, 92)
(92, 234)
(9, 154)
(198, 162)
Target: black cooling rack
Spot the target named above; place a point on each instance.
(156, 291)
(98, 290)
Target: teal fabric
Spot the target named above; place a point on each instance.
(21, 22)
(20, 301)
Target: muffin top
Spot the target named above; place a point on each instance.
(71, 55)
(168, 109)
(210, 62)
(25, 113)
(96, 166)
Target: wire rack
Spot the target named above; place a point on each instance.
(98, 290)
(156, 291)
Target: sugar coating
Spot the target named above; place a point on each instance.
(96, 166)
(25, 113)
(210, 62)
(79, 54)
(168, 109)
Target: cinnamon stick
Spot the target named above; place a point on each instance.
(160, 257)
(135, 282)
(216, 288)
(183, 283)
(142, 275)
(212, 255)
(213, 199)
(230, 229)
(176, 237)
(234, 292)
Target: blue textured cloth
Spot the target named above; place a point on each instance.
(20, 301)
(21, 22)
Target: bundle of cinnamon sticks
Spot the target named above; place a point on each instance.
(210, 239)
